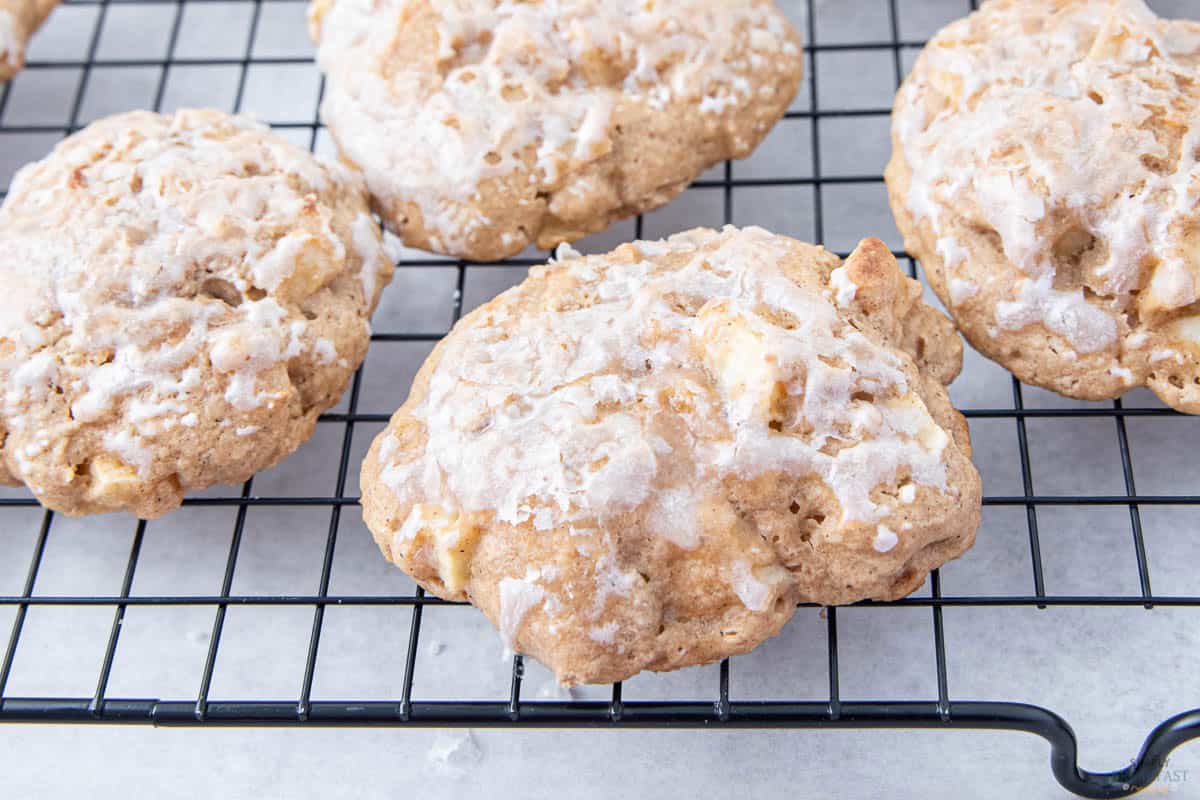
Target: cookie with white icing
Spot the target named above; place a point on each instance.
(1045, 171)
(183, 296)
(19, 19)
(643, 460)
(486, 125)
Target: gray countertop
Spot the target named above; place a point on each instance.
(1113, 673)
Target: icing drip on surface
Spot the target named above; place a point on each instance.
(517, 597)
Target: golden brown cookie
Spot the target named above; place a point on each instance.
(483, 126)
(1045, 171)
(183, 296)
(643, 460)
(19, 19)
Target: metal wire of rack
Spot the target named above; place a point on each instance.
(940, 712)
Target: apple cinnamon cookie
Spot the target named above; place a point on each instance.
(483, 126)
(1045, 172)
(183, 296)
(643, 460)
(19, 20)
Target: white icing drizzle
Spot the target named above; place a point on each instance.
(604, 634)
(885, 539)
(1029, 116)
(561, 417)
(324, 350)
(961, 290)
(517, 597)
(754, 594)
(517, 75)
(1137, 339)
(564, 252)
(845, 288)
(673, 516)
(951, 251)
(1164, 355)
(1068, 314)
(1122, 373)
(413, 524)
(610, 579)
(371, 251)
(128, 447)
(278, 264)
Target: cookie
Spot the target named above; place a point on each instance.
(184, 295)
(1045, 173)
(483, 126)
(643, 460)
(19, 19)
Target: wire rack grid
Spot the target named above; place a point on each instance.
(344, 429)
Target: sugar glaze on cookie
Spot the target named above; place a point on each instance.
(642, 460)
(184, 294)
(483, 126)
(1046, 173)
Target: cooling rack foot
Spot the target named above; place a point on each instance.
(1140, 773)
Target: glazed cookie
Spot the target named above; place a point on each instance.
(19, 19)
(485, 125)
(643, 460)
(183, 295)
(1045, 173)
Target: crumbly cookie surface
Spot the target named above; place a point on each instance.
(643, 460)
(19, 19)
(486, 125)
(1045, 171)
(183, 295)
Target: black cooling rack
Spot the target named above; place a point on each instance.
(940, 712)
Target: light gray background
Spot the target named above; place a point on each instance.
(1113, 673)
